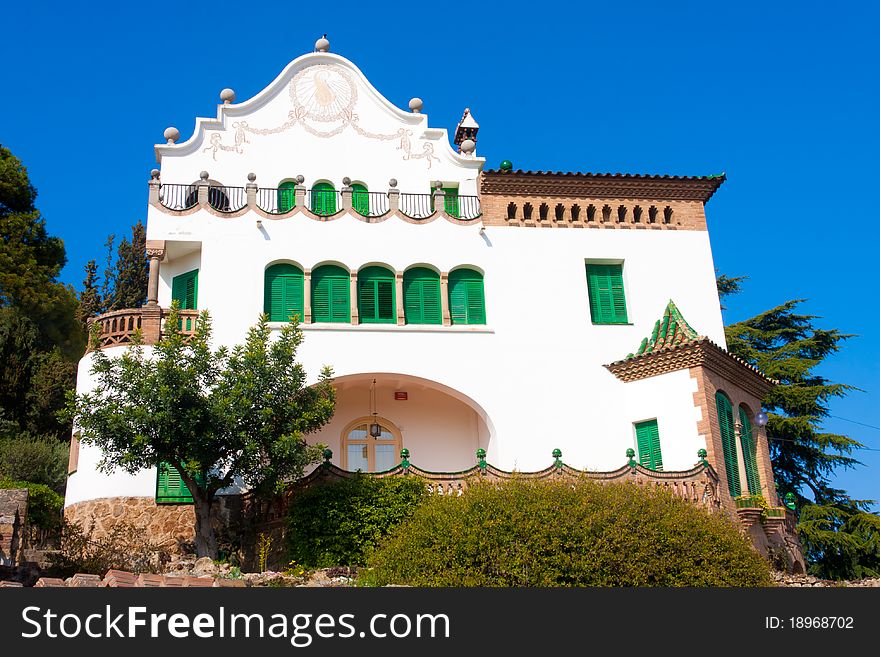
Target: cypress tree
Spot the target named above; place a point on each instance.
(131, 271)
(840, 535)
(90, 300)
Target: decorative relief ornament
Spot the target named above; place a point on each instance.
(323, 99)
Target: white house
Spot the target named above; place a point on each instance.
(461, 308)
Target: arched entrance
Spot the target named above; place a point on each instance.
(441, 427)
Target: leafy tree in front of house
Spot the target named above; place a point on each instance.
(219, 416)
(840, 536)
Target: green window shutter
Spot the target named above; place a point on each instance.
(185, 290)
(728, 442)
(376, 296)
(323, 199)
(749, 450)
(330, 294)
(286, 196)
(467, 304)
(607, 299)
(283, 292)
(648, 440)
(450, 203)
(170, 488)
(421, 296)
(360, 200)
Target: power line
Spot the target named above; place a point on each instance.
(790, 440)
(870, 426)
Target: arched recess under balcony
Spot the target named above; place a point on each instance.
(441, 427)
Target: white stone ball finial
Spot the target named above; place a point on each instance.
(415, 105)
(172, 134)
(227, 96)
(203, 175)
(468, 146)
(322, 44)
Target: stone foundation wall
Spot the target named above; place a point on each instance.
(171, 526)
(13, 516)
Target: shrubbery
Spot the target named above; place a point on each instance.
(571, 533)
(44, 504)
(41, 460)
(124, 547)
(334, 524)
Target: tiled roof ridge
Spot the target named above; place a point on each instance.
(671, 320)
(588, 174)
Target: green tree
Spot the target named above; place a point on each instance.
(131, 271)
(91, 303)
(219, 416)
(841, 538)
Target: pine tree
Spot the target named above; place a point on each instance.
(841, 538)
(90, 300)
(131, 271)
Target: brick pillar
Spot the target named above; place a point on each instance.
(307, 296)
(398, 283)
(151, 324)
(353, 296)
(444, 298)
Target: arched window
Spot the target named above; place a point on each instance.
(421, 296)
(467, 304)
(376, 303)
(330, 294)
(360, 199)
(361, 451)
(728, 442)
(286, 196)
(283, 292)
(323, 199)
(749, 450)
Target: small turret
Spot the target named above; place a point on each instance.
(466, 129)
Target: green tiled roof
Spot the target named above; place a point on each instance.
(670, 330)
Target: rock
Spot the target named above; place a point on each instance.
(204, 566)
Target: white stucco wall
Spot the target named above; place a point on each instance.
(535, 371)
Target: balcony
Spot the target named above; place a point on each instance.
(117, 328)
(317, 203)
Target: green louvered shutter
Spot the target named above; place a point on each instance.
(360, 200)
(648, 440)
(286, 196)
(323, 199)
(170, 488)
(728, 443)
(421, 296)
(605, 289)
(750, 456)
(330, 294)
(376, 296)
(283, 292)
(185, 290)
(467, 304)
(450, 203)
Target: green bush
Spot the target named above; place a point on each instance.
(44, 504)
(334, 524)
(40, 460)
(571, 533)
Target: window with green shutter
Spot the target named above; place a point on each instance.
(376, 304)
(421, 296)
(185, 291)
(283, 292)
(467, 304)
(648, 441)
(605, 288)
(323, 199)
(450, 201)
(170, 488)
(749, 450)
(286, 196)
(728, 442)
(331, 286)
(360, 199)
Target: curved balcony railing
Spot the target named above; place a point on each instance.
(178, 197)
(226, 200)
(117, 328)
(417, 206)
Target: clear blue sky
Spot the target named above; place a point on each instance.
(782, 96)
